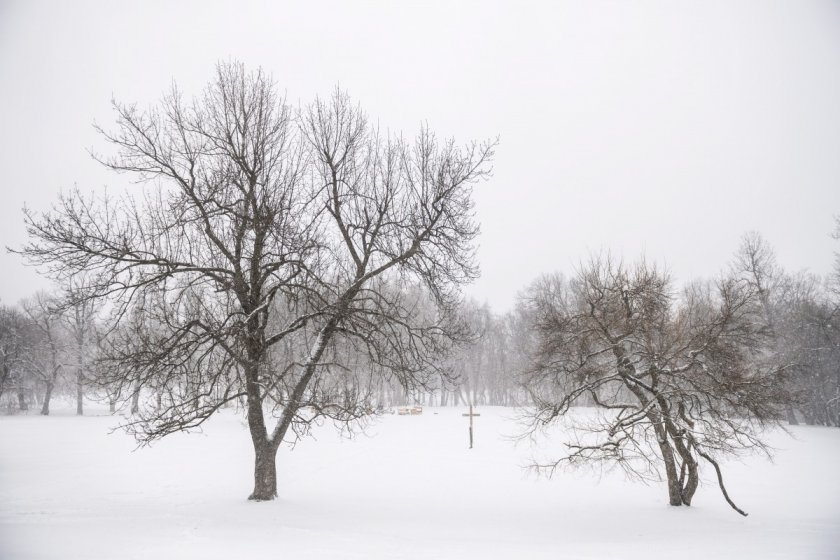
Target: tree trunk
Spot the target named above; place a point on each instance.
(6, 373)
(80, 394)
(693, 481)
(675, 493)
(135, 401)
(791, 415)
(112, 405)
(21, 395)
(265, 472)
(674, 490)
(45, 408)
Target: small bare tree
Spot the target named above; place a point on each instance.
(676, 379)
(79, 317)
(266, 241)
(801, 319)
(45, 354)
(14, 330)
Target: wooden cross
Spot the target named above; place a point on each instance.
(471, 415)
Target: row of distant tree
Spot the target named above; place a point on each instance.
(49, 344)
(47, 348)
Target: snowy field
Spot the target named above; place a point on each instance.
(410, 488)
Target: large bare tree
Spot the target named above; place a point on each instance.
(263, 251)
(675, 378)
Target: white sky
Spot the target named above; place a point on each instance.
(659, 127)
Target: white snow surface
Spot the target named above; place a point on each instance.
(408, 488)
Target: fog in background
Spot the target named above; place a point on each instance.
(660, 128)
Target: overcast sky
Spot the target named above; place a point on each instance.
(660, 128)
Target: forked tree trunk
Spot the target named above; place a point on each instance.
(265, 469)
(660, 428)
(45, 408)
(135, 401)
(265, 447)
(688, 486)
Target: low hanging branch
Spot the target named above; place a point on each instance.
(720, 482)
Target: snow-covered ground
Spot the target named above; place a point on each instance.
(410, 488)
